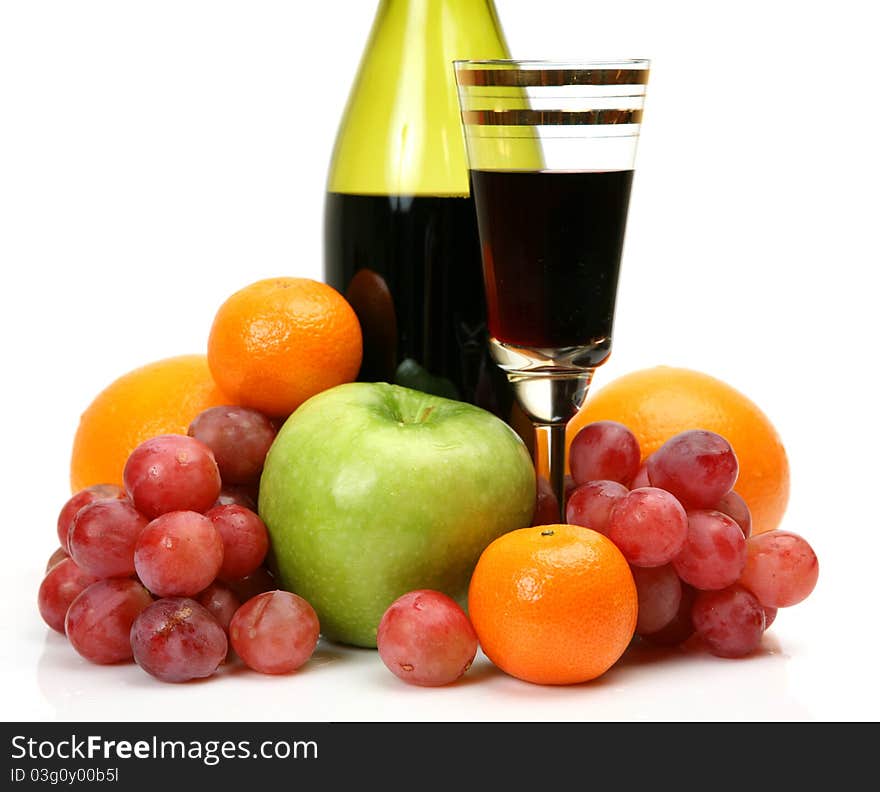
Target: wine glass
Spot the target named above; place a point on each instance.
(551, 149)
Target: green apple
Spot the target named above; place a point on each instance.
(371, 490)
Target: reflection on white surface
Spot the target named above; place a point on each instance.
(341, 683)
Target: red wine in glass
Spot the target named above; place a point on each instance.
(551, 243)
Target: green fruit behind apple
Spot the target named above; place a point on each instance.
(371, 490)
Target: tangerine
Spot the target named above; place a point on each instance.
(279, 341)
(553, 604)
(159, 398)
(660, 402)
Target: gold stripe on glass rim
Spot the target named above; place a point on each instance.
(528, 78)
(550, 117)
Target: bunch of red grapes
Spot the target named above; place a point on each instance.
(687, 537)
(170, 571)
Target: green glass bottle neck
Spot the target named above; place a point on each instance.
(401, 133)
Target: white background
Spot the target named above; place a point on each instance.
(156, 156)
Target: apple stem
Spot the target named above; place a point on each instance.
(424, 416)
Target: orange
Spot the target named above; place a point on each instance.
(279, 341)
(553, 605)
(159, 398)
(660, 402)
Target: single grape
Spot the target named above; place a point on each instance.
(99, 620)
(80, 499)
(649, 526)
(59, 555)
(659, 592)
(696, 466)
(737, 509)
(245, 540)
(238, 495)
(730, 621)
(221, 602)
(275, 632)
(178, 554)
(590, 505)
(681, 627)
(63, 583)
(714, 552)
(781, 569)
(103, 537)
(604, 450)
(177, 639)
(641, 478)
(171, 473)
(769, 617)
(247, 588)
(240, 439)
(426, 639)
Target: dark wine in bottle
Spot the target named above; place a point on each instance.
(423, 325)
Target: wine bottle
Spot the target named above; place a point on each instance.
(401, 238)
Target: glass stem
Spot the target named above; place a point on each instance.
(550, 401)
(555, 434)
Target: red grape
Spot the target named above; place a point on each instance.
(171, 473)
(681, 627)
(238, 495)
(769, 617)
(248, 587)
(659, 592)
(590, 505)
(737, 509)
(178, 554)
(604, 450)
(176, 639)
(730, 621)
(240, 439)
(641, 478)
(59, 555)
(245, 540)
(275, 632)
(63, 583)
(781, 569)
(103, 537)
(424, 638)
(99, 620)
(714, 553)
(697, 466)
(80, 499)
(649, 526)
(221, 602)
